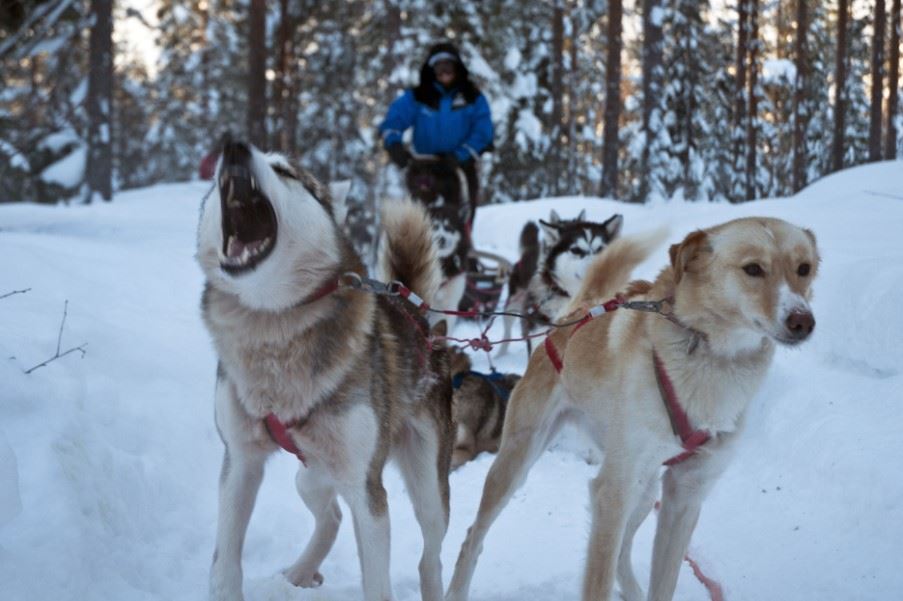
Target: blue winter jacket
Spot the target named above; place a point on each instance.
(456, 126)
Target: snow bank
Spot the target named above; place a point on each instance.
(69, 171)
(117, 458)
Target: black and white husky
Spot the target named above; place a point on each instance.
(549, 273)
(440, 185)
(340, 377)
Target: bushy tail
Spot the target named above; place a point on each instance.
(526, 266)
(611, 271)
(406, 251)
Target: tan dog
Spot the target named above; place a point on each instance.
(737, 289)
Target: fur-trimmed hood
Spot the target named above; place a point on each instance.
(427, 91)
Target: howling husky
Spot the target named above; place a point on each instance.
(342, 378)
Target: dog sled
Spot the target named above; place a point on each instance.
(446, 190)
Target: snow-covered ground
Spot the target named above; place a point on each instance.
(116, 457)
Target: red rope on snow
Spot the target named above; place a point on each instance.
(716, 593)
(713, 586)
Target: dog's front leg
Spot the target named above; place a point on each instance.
(684, 487)
(681, 503)
(616, 493)
(240, 478)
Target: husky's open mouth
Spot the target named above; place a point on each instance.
(249, 221)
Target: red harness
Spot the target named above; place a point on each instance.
(279, 433)
(690, 439)
(275, 428)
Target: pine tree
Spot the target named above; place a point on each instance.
(893, 82)
(612, 102)
(799, 97)
(99, 170)
(840, 86)
(257, 67)
(877, 76)
(653, 142)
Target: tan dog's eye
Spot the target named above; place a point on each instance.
(754, 269)
(803, 269)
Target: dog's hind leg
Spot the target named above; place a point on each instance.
(630, 588)
(514, 304)
(616, 493)
(239, 482)
(318, 492)
(449, 297)
(532, 419)
(425, 473)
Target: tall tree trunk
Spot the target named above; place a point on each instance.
(840, 85)
(612, 102)
(893, 82)
(877, 83)
(99, 168)
(557, 91)
(740, 90)
(393, 35)
(206, 81)
(800, 115)
(257, 83)
(284, 74)
(572, 114)
(753, 115)
(652, 82)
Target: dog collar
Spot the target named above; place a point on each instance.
(549, 280)
(492, 379)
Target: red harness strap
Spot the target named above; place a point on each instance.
(606, 307)
(552, 352)
(690, 439)
(279, 433)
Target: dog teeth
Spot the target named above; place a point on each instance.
(238, 254)
(253, 183)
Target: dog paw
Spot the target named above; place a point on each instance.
(304, 578)
(225, 585)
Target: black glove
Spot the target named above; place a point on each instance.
(399, 155)
(451, 159)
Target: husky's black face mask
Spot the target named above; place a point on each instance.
(571, 247)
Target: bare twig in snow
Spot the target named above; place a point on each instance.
(59, 340)
(883, 194)
(8, 294)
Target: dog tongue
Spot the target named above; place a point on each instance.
(235, 248)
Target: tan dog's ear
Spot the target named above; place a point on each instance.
(811, 235)
(683, 254)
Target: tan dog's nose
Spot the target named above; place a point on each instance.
(800, 324)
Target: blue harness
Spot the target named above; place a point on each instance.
(492, 378)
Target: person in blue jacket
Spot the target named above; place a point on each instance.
(449, 114)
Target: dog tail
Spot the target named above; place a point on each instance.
(526, 266)
(610, 272)
(406, 250)
(529, 247)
